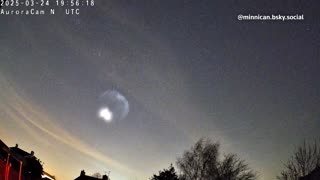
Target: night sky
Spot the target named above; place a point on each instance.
(188, 69)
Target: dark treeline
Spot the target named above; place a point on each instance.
(204, 162)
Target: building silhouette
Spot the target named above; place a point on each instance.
(83, 176)
(14, 162)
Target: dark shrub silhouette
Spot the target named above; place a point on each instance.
(166, 174)
(33, 167)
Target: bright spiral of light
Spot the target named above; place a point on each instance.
(113, 106)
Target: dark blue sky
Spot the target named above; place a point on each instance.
(188, 69)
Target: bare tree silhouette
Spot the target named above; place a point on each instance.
(202, 163)
(302, 162)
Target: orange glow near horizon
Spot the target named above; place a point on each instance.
(40, 128)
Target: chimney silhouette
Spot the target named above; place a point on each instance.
(105, 177)
(82, 173)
